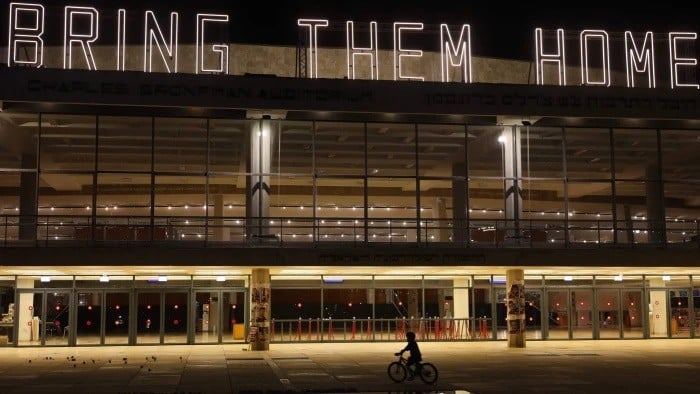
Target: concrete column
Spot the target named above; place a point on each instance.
(460, 232)
(25, 314)
(259, 165)
(440, 214)
(512, 172)
(460, 298)
(658, 309)
(259, 333)
(515, 303)
(221, 234)
(28, 199)
(656, 215)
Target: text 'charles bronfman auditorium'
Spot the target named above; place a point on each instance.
(163, 184)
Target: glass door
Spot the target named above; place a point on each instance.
(207, 312)
(582, 313)
(219, 316)
(558, 314)
(609, 324)
(88, 330)
(117, 307)
(533, 314)
(148, 325)
(680, 313)
(632, 317)
(175, 317)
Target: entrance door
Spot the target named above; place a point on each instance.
(533, 314)
(570, 314)
(162, 317)
(44, 318)
(669, 313)
(219, 316)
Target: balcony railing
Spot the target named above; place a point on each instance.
(288, 231)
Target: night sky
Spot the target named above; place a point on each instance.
(499, 29)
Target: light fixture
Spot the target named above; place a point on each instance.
(221, 278)
(618, 278)
(568, 278)
(666, 278)
(162, 278)
(45, 279)
(104, 278)
(502, 139)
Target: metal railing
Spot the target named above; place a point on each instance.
(343, 330)
(47, 230)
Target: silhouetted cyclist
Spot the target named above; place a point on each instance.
(415, 357)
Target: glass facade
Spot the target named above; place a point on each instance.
(200, 180)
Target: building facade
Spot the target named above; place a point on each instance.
(303, 194)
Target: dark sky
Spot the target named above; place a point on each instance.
(500, 29)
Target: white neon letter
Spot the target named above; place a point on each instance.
(640, 61)
(676, 61)
(449, 52)
(313, 25)
(602, 35)
(400, 52)
(372, 51)
(29, 34)
(221, 49)
(153, 33)
(71, 38)
(559, 57)
(121, 39)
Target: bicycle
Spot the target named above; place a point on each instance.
(398, 371)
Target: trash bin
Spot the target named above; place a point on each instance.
(238, 331)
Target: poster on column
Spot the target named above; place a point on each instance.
(261, 305)
(515, 301)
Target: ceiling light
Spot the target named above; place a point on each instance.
(104, 278)
(221, 279)
(45, 279)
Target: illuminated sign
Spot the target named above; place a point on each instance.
(82, 30)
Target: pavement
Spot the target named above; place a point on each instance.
(602, 366)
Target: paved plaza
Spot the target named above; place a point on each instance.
(633, 366)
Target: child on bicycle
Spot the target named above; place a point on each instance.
(415, 357)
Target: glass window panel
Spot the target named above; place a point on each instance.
(180, 145)
(680, 148)
(636, 155)
(681, 212)
(292, 149)
(20, 132)
(484, 152)
(68, 142)
(588, 153)
(340, 148)
(541, 152)
(633, 223)
(391, 202)
(124, 144)
(228, 145)
(441, 150)
(391, 149)
(437, 208)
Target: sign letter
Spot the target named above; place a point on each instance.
(84, 39)
(221, 49)
(372, 51)
(462, 52)
(602, 35)
(26, 29)
(676, 61)
(400, 52)
(640, 61)
(121, 39)
(313, 25)
(152, 34)
(558, 57)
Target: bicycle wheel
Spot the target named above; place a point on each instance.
(428, 373)
(397, 372)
